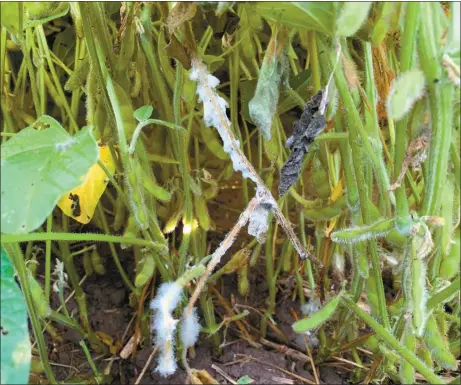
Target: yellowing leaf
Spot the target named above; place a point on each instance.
(80, 203)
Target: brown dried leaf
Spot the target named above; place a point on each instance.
(182, 12)
(177, 51)
(199, 377)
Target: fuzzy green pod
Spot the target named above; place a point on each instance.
(372, 298)
(255, 254)
(320, 180)
(327, 212)
(287, 253)
(40, 303)
(211, 191)
(79, 76)
(450, 265)
(131, 230)
(363, 233)
(173, 221)
(361, 260)
(135, 194)
(146, 270)
(317, 318)
(201, 211)
(120, 213)
(126, 109)
(418, 295)
(437, 345)
(407, 371)
(243, 283)
(155, 190)
(212, 142)
(425, 355)
(97, 262)
(405, 91)
(87, 265)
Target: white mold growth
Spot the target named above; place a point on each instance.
(215, 114)
(168, 297)
(259, 219)
(190, 328)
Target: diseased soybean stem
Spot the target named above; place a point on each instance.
(222, 248)
(259, 182)
(354, 121)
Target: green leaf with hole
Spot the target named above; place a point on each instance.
(39, 165)
(316, 16)
(317, 318)
(405, 91)
(143, 113)
(351, 17)
(14, 337)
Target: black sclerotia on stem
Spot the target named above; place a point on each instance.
(306, 129)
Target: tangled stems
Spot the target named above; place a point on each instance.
(392, 342)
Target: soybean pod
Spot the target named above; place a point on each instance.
(437, 344)
(87, 265)
(97, 262)
(146, 270)
(406, 370)
(43, 309)
(201, 211)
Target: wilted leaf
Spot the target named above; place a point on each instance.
(180, 13)
(14, 336)
(80, 203)
(177, 51)
(264, 103)
(405, 91)
(317, 318)
(199, 377)
(306, 129)
(38, 167)
(351, 17)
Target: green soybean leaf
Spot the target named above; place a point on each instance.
(38, 167)
(351, 17)
(318, 318)
(14, 336)
(143, 113)
(309, 15)
(47, 14)
(406, 90)
(9, 13)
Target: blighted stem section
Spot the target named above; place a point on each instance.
(214, 114)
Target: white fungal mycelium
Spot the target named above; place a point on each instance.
(259, 219)
(214, 114)
(163, 305)
(190, 328)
